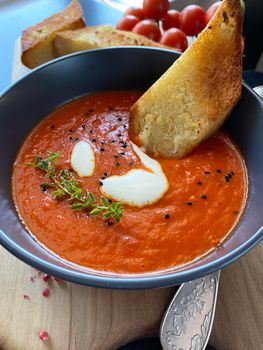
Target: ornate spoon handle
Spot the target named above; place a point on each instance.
(188, 320)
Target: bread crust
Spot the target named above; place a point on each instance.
(97, 37)
(193, 98)
(37, 40)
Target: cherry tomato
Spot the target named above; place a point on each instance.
(135, 11)
(211, 11)
(148, 28)
(171, 20)
(127, 22)
(175, 37)
(192, 19)
(155, 9)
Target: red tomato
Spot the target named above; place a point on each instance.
(171, 20)
(192, 19)
(211, 11)
(175, 37)
(127, 22)
(135, 11)
(155, 9)
(148, 28)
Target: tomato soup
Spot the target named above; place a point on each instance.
(204, 201)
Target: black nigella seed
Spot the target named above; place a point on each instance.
(232, 173)
(44, 189)
(77, 139)
(112, 141)
(131, 163)
(83, 126)
(103, 178)
(105, 174)
(124, 146)
(219, 171)
(227, 178)
(52, 126)
(199, 183)
(102, 149)
(120, 119)
(116, 156)
(102, 143)
(189, 203)
(166, 216)
(100, 183)
(118, 164)
(204, 196)
(110, 223)
(91, 131)
(70, 138)
(70, 130)
(119, 135)
(122, 153)
(121, 142)
(125, 126)
(93, 140)
(71, 170)
(207, 172)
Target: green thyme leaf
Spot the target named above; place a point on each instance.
(104, 201)
(66, 186)
(95, 211)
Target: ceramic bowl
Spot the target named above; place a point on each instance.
(27, 101)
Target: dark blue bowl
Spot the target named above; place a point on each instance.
(24, 104)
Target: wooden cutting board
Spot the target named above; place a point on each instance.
(84, 318)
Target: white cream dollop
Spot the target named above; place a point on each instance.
(138, 187)
(83, 159)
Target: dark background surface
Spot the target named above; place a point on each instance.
(253, 32)
(149, 344)
(16, 15)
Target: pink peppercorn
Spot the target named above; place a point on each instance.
(46, 277)
(43, 335)
(45, 292)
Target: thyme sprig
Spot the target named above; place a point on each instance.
(64, 185)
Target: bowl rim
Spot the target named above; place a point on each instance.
(124, 281)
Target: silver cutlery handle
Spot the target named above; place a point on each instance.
(188, 321)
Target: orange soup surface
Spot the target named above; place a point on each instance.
(205, 199)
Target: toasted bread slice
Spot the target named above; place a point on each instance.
(195, 95)
(37, 40)
(98, 36)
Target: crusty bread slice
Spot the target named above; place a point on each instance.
(95, 37)
(37, 40)
(195, 95)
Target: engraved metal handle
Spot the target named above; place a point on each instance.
(188, 320)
